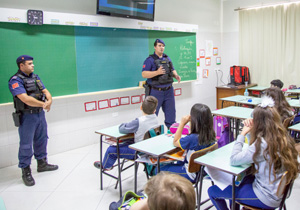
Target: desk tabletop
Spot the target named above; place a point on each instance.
(112, 132)
(220, 159)
(155, 146)
(242, 99)
(294, 103)
(295, 127)
(297, 91)
(234, 112)
(258, 88)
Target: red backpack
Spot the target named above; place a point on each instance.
(239, 75)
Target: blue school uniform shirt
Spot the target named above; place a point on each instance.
(190, 144)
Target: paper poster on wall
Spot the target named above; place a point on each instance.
(114, 102)
(135, 99)
(199, 76)
(215, 50)
(198, 61)
(207, 61)
(90, 106)
(124, 100)
(202, 53)
(177, 92)
(209, 48)
(218, 60)
(205, 73)
(103, 104)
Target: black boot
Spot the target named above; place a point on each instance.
(27, 177)
(44, 166)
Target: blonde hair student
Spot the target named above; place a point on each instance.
(271, 152)
(167, 191)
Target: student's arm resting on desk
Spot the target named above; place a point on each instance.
(130, 127)
(240, 156)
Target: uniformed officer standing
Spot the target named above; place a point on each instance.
(30, 98)
(159, 71)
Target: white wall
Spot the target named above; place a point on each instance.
(230, 28)
(69, 126)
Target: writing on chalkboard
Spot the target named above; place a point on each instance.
(186, 59)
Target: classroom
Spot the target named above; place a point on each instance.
(94, 75)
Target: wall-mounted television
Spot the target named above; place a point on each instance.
(137, 9)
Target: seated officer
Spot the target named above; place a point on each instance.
(30, 99)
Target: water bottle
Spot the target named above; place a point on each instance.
(246, 93)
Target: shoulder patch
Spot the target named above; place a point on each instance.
(144, 66)
(15, 85)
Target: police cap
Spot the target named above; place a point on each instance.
(159, 41)
(24, 58)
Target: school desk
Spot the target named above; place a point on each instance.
(294, 91)
(220, 160)
(295, 103)
(156, 147)
(236, 113)
(229, 90)
(295, 127)
(259, 89)
(240, 99)
(115, 136)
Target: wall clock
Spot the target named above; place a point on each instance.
(35, 17)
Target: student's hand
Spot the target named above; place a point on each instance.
(245, 130)
(185, 119)
(248, 122)
(161, 70)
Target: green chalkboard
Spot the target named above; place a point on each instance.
(181, 48)
(53, 49)
(74, 59)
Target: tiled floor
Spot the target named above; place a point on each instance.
(76, 186)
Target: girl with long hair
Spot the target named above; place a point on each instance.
(271, 152)
(202, 135)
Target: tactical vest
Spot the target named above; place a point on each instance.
(33, 88)
(167, 65)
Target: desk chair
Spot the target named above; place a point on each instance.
(149, 134)
(198, 169)
(284, 189)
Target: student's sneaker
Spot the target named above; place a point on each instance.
(98, 166)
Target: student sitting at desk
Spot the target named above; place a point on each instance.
(276, 83)
(283, 107)
(167, 192)
(271, 151)
(202, 135)
(139, 127)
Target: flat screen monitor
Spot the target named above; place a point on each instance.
(137, 9)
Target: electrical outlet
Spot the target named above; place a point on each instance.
(115, 114)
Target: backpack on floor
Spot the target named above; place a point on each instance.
(127, 200)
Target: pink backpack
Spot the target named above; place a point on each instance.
(174, 127)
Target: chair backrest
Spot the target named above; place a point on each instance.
(283, 190)
(195, 167)
(288, 121)
(154, 132)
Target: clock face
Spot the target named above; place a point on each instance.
(35, 17)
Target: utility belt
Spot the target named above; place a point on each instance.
(161, 89)
(32, 111)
